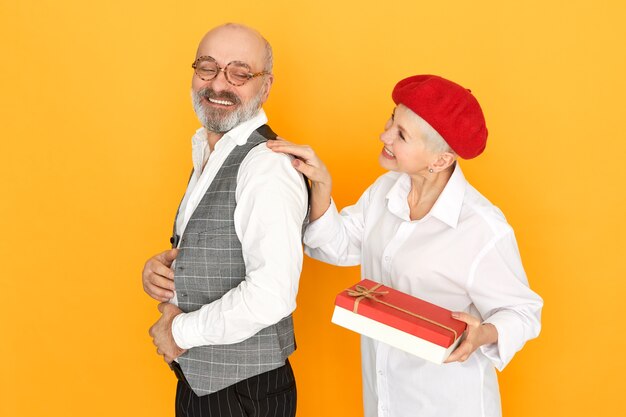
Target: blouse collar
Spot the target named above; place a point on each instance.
(447, 208)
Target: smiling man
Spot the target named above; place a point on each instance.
(228, 286)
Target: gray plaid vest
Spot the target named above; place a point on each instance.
(209, 264)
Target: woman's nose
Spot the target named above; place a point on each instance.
(385, 137)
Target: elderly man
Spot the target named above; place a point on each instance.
(228, 286)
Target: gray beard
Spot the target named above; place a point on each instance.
(221, 121)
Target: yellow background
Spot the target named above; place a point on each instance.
(95, 154)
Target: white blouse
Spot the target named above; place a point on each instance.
(461, 256)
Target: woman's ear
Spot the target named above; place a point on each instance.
(443, 161)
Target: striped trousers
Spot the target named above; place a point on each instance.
(270, 394)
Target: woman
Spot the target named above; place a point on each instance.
(423, 229)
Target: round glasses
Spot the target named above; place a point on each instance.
(237, 73)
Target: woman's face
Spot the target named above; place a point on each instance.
(404, 148)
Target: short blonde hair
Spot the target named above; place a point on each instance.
(434, 141)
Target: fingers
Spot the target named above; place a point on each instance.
(167, 257)
(461, 353)
(161, 276)
(167, 358)
(307, 162)
(278, 142)
(467, 318)
(279, 139)
(472, 340)
(158, 278)
(157, 291)
(159, 294)
(162, 306)
(170, 255)
(304, 152)
(304, 168)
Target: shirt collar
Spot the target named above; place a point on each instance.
(238, 135)
(448, 206)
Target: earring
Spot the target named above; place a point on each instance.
(430, 170)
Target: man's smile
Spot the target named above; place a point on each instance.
(220, 102)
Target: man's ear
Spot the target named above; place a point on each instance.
(267, 86)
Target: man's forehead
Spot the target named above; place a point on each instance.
(232, 43)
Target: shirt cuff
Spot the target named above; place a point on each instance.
(179, 324)
(322, 230)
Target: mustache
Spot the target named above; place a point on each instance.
(209, 93)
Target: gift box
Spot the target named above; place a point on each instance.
(398, 319)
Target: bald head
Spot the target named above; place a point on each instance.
(252, 43)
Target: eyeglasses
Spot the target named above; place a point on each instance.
(237, 73)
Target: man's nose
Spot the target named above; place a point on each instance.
(220, 82)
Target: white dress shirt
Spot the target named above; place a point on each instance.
(461, 256)
(271, 205)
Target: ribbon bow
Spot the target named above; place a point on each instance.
(360, 292)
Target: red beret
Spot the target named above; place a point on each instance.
(449, 108)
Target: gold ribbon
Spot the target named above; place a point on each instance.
(360, 292)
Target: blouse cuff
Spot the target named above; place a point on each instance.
(499, 352)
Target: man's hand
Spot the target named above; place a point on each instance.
(478, 334)
(161, 333)
(158, 277)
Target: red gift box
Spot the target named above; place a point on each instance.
(398, 319)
